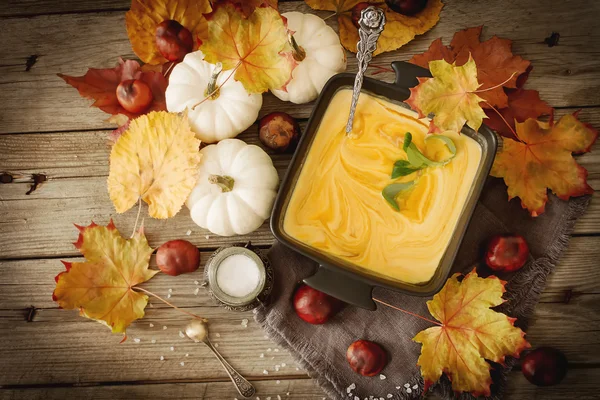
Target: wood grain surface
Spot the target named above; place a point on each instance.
(46, 128)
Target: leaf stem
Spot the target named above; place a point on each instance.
(408, 312)
(505, 121)
(209, 95)
(138, 216)
(495, 86)
(169, 304)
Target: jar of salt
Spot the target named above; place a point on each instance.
(238, 277)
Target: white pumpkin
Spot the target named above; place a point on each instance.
(236, 188)
(229, 112)
(323, 55)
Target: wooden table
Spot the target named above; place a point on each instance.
(46, 128)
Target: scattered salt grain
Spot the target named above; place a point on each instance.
(187, 354)
(351, 388)
(162, 358)
(382, 376)
(172, 348)
(262, 355)
(415, 387)
(356, 398)
(153, 341)
(169, 296)
(207, 237)
(189, 232)
(389, 396)
(216, 345)
(409, 390)
(269, 349)
(245, 321)
(276, 350)
(297, 369)
(269, 398)
(182, 363)
(277, 368)
(217, 334)
(170, 290)
(196, 291)
(151, 325)
(265, 372)
(164, 327)
(278, 382)
(283, 364)
(137, 340)
(272, 358)
(181, 334)
(196, 283)
(266, 337)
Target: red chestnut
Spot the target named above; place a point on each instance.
(279, 131)
(406, 7)
(173, 40)
(313, 306)
(134, 95)
(177, 257)
(356, 11)
(366, 358)
(507, 253)
(544, 366)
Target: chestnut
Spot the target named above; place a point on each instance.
(279, 131)
(366, 358)
(544, 366)
(134, 95)
(177, 257)
(313, 306)
(507, 253)
(173, 40)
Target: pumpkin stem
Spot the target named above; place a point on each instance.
(223, 181)
(212, 90)
(298, 52)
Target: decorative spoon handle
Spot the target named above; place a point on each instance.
(371, 22)
(244, 387)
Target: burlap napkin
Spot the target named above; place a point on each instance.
(321, 349)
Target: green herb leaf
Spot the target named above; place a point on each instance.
(447, 141)
(403, 168)
(407, 140)
(390, 192)
(417, 159)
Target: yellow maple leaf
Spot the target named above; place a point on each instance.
(399, 29)
(156, 160)
(102, 286)
(450, 96)
(470, 333)
(542, 159)
(145, 15)
(257, 46)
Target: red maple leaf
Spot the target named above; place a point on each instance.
(101, 86)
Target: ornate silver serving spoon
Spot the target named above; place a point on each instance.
(371, 22)
(197, 330)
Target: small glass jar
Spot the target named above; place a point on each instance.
(257, 296)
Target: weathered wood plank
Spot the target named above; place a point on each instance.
(69, 43)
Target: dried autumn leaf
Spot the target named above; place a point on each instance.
(497, 67)
(543, 160)
(399, 29)
(450, 95)
(101, 86)
(248, 6)
(145, 15)
(257, 47)
(470, 333)
(101, 288)
(156, 160)
(522, 105)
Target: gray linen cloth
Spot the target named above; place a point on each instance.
(321, 349)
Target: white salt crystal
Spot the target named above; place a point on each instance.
(297, 369)
(216, 345)
(398, 387)
(182, 363)
(169, 296)
(187, 354)
(238, 275)
(217, 334)
(409, 390)
(170, 290)
(207, 237)
(389, 395)
(189, 232)
(265, 372)
(382, 376)
(245, 323)
(407, 385)
(196, 291)
(269, 349)
(415, 387)
(356, 398)
(137, 340)
(269, 398)
(164, 327)
(151, 325)
(196, 283)
(276, 350)
(262, 355)
(172, 348)
(272, 358)
(162, 358)
(266, 337)
(153, 341)
(181, 334)
(278, 382)
(351, 387)
(277, 368)
(283, 364)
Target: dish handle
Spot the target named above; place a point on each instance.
(342, 286)
(407, 74)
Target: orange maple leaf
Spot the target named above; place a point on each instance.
(542, 159)
(469, 334)
(497, 66)
(145, 15)
(399, 29)
(256, 47)
(247, 7)
(102, 286)
(101, 86)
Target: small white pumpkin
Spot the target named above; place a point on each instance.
(319, 54)
(230, 111)
(236, 188)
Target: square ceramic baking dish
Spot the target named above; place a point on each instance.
(340, 278)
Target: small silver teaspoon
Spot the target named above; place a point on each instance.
(371, 22)
(197, 330)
